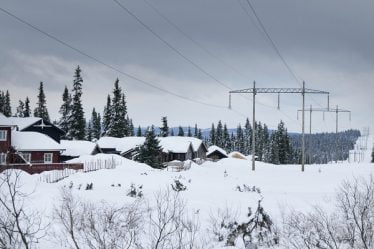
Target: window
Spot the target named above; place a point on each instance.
(27, 157)
(2, 158)
(3, 135)
(48, 157)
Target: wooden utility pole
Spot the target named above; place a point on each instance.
(254, 91)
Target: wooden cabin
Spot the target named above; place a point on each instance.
(30, 151)
(216, 153)
(76, 148)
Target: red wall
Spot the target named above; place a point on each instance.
(5, 145)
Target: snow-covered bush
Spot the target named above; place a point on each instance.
(178, 186)
(135, 191)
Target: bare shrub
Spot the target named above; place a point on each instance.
(169, 224)
(351, 225)
(96, 226)
(20, 227)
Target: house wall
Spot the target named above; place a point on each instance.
(5, 145)
(201, 153)
(38, 157)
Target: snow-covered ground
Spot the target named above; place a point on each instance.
(210, 186)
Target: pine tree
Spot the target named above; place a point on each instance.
(139, 132)
(65, 111)
(199, 134)
(247, 137)
(131, 129)
(164, 130)
(196, 131)
(240, 143)
(180, 131)
(96, 124)
(2, 102)
(107, 115)
(117, 124)
(226, 138)
(189, 132)
(212, 135)
(27, 110)
(41, 109)
(89, 131)
(20, 109)
(150, 152)
(219, 134)
(77, 122)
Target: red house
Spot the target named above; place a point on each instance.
(30, 151)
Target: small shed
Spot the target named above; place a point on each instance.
(216, 153)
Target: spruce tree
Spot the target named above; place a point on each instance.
(226, 138)
(172, 132)
(247, 137)
(219, 134)
(2, 101)
(96, 124)
(196, 131)
(131, 128)
(65, 112)
(20, 109)
(139, 132)
(240, 143)
(27, 110)
(107, 115)
(150, 152)
(189, 132)
(41, 109)
(199, 134)
(118, 123)
(372, 156)
(77, 122)
(180, 131)
(212, 135)
(164, 130)
(89, 131)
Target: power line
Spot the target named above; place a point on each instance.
(189, 37)
(64, 43)
(169, 45)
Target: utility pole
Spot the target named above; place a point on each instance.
(336, 110)
(254, 91)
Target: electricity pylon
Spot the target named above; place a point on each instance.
(254, 91)
(328, 109)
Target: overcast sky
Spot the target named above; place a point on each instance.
(327, 43)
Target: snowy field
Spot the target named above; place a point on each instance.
(210, 186)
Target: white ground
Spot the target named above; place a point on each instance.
(209, 188)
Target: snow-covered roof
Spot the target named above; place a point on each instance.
(23, 123)
(175, 144)
(168, 144)
(214, 148)
(120, 144)
(238, 155)
(33, 141)
(77, 147)
(4, 121)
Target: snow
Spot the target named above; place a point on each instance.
(33, 141)
(237, 155)
(77, 147)
(214, 148)
(169, 144)
(210, 186)
(120, 144)
(22, 123)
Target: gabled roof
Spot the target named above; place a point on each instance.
(77, 147)
(4, 121)
(175, 144)
(168, 144)
(34, 141)
(22, 123)
(215, 148)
